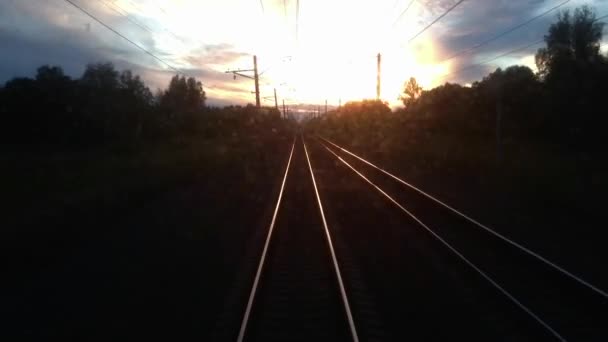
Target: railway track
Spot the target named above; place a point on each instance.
(354, 253)
(540, 299)
(297, 293)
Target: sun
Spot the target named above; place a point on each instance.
(333, 48)
(350, 74)
(335, 56)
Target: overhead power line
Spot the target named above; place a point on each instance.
(123, 37)
(132, 20)
(403, 12)
(521, 48)
(163, 27)
(436, 20)
(125, 14)
(500, 35)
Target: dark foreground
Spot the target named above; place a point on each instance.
(178, 263)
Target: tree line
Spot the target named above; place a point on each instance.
(102, 107)
(563, 102)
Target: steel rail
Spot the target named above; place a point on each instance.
(455, 251)
(258, 274)
(349, 314)
(480, 225)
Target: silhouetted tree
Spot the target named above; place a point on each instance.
(575, 75)
(517, 91)
(182, 103)
(411, 92)
(20, 119)
(115, 108)
(56, 104)
(563, 104)
(51, 74)
(183, 95)
(196, 95)
(447, 107)
(572, 39)
(99, 91)
(137, 101)
(100, 76)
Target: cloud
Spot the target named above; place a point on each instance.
(27, 53)
(215, 55)
(482, 20)
(52, 33)
(33, 33)
(479, 21)
(47, 34)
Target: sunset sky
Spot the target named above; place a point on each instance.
(332, 45)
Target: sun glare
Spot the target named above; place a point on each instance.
(334, 52)
(332, 44)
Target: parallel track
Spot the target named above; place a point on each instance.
(297, 293)
(564, 305)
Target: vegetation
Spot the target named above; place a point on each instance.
(144, 190)
(114, 194)
(104, 107)
(105, 138)
(411, 92)
(515, 129)
(536, 138)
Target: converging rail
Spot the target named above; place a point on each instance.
(349, 314)
(491, 270)
(478, 224)
(298, 292)
(258, 273)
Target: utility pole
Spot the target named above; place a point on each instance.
(276, 104)
(378, 77)
(284, 112)
(255, 78)
(257, 81)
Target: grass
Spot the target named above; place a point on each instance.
(39, 184)
(531, 171)
(546, 195)
(145, 241)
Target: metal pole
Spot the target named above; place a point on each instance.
(257, 83)
(276, 104)
(378, 78)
